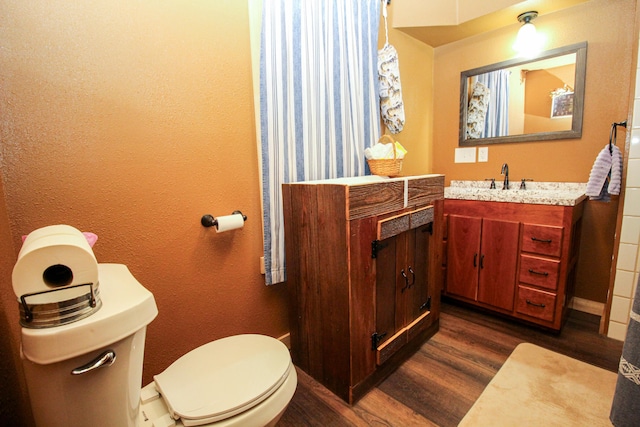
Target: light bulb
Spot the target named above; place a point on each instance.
(528, 42)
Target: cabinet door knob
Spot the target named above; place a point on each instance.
(475, 260)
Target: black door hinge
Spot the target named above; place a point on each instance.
(375, 339)
(428, 228)
(426, 305)
(376, 246)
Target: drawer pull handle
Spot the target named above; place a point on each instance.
(413, 277)
(407, 285)
(541, 273)
(535, 239)
(535, 304)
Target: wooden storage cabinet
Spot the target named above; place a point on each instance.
(530, 256)
(363, 273)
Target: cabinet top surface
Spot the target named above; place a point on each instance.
(364, 180)
(542, 193)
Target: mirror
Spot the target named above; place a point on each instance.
(533, 99)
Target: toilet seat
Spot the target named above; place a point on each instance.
(223, 378)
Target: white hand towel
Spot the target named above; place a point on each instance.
(606, 174)
(616, 172)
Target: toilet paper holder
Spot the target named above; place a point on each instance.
(210, 221)
(50, 312)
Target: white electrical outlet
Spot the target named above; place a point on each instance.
(483, 154)
(465, 155)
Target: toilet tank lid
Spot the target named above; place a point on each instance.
(127, 307)
(224, 377)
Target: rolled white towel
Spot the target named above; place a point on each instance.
(608, 160)
(616, 172)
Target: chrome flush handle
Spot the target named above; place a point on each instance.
(105, 359)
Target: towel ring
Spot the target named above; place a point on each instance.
(613, 135)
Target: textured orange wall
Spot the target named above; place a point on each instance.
(416, 75)
(132, 120)
(13, 397)
(607, 92)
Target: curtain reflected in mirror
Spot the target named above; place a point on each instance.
(524, 100)
(488, 112)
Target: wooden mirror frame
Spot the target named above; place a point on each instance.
(580, 49)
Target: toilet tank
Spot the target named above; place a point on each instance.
(64, 389)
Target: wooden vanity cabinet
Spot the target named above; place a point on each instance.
(512, 258)
(363, 274)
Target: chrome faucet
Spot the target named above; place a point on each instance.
(505, 171)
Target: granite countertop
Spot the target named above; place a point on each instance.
(542, 193)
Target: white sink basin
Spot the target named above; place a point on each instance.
(543, 193)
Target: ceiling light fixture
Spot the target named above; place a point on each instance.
(528, 42)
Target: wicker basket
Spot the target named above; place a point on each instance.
(386, 167)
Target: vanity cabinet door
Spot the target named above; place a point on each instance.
(463, 251)
(418, 296)
(498, 260)
(481, 260)
(403, 296)
(389, 258)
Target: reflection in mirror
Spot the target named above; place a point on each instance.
(533, 99)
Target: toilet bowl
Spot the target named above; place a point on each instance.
(88, 372)
(242, 380)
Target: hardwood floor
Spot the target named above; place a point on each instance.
(440, 382)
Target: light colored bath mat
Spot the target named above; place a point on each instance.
(538, 387)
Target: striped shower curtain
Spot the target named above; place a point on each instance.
(497, 117)
(318, 101)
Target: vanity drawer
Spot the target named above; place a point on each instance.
(393, 226)
(542, 239)
(397, 224)
(535, 303)
(539, 271)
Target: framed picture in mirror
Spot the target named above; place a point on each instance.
(562, 105)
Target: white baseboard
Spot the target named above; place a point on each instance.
(286, 340)
(588, 306)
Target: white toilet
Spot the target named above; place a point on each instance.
(83, 348)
